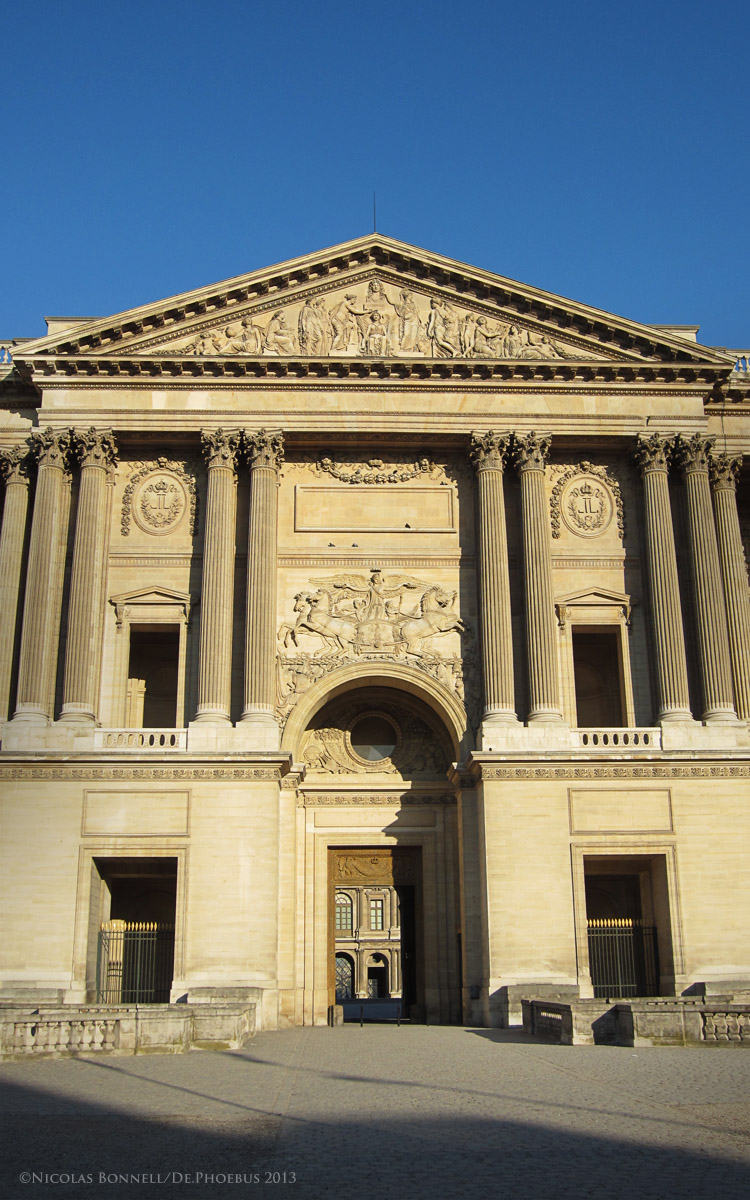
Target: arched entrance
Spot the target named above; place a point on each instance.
(377, 896)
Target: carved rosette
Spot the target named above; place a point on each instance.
(95, 449)
(693, 454)
(652, 454)
(14, 464)
(584, 498)
(531, 453)
(489, 451)
(264, 449)
(158, 496)
(220, 448)
(724, 471)
(51, 449)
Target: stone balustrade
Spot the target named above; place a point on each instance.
(140, 739)
(65, 1031)
(616, 739)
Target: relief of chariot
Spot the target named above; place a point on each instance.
(355, 615)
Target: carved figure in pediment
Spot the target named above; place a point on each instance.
(489, 339)
(343, 317)
(279, 337)
(377, 340)
(442, 329)
(244, 338)
(513, 343)
(209, 342)
(410, 327)
(315, 328)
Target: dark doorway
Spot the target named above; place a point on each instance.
(135, 903)
(153, 677)
(623, 945)
(598, 678)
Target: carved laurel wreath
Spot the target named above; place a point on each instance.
(585, 468)
(159, 464)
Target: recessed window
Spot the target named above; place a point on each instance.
(373, 738)
(376, 914)
(343, 913)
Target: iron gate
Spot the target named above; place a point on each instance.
(135, 961)
(623, 957)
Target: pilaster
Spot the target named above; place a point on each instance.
(530, 454)
(97, 454)
(41, 615)
(652, 456)
(14, 464)
(265, 453)
(710, 614)
(217, 592)
(724, 472)
(489, 452)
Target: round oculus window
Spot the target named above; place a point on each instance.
(373, 738)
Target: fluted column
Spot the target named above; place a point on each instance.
(652, 456)
(265, 455)
(97, 455)
(724, 472)
(217, 592)
(489, 452)
(41, 612)
(530, 454)
(14, 466)
(708, 593)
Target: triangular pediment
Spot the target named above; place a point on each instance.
(373, 298)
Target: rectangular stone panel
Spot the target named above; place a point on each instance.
(136, 814)
(620, 810)
(365, 509)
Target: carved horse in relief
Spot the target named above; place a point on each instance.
(435, 616)
(314, 616)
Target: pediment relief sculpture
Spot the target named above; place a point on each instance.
(378, 320)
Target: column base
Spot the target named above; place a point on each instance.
(211, 716)
(497, 729)
(30, 716)
(78, 716)
(547, 716)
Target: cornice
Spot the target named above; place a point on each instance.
(342, 371)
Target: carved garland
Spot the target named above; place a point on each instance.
(173, 468)
(585, 468)
(376, 471)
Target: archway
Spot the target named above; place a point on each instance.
(377, 844)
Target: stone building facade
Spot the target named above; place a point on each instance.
(374, 580)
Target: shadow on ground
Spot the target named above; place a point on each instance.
(75, 1147)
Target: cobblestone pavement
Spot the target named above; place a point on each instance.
(404, 1112)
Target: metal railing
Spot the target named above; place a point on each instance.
(135, 961)
(623, 957)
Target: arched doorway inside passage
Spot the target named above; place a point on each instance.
(375, 855)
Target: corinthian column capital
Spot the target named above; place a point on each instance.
(724, 471)
(220, 447)
(488, 451)
(693, 454)
(264, 449)
(652, 453)
(14, 464)
(51, 449)
(95, 449)
(531, 453)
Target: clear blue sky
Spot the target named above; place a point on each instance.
(597, 150)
